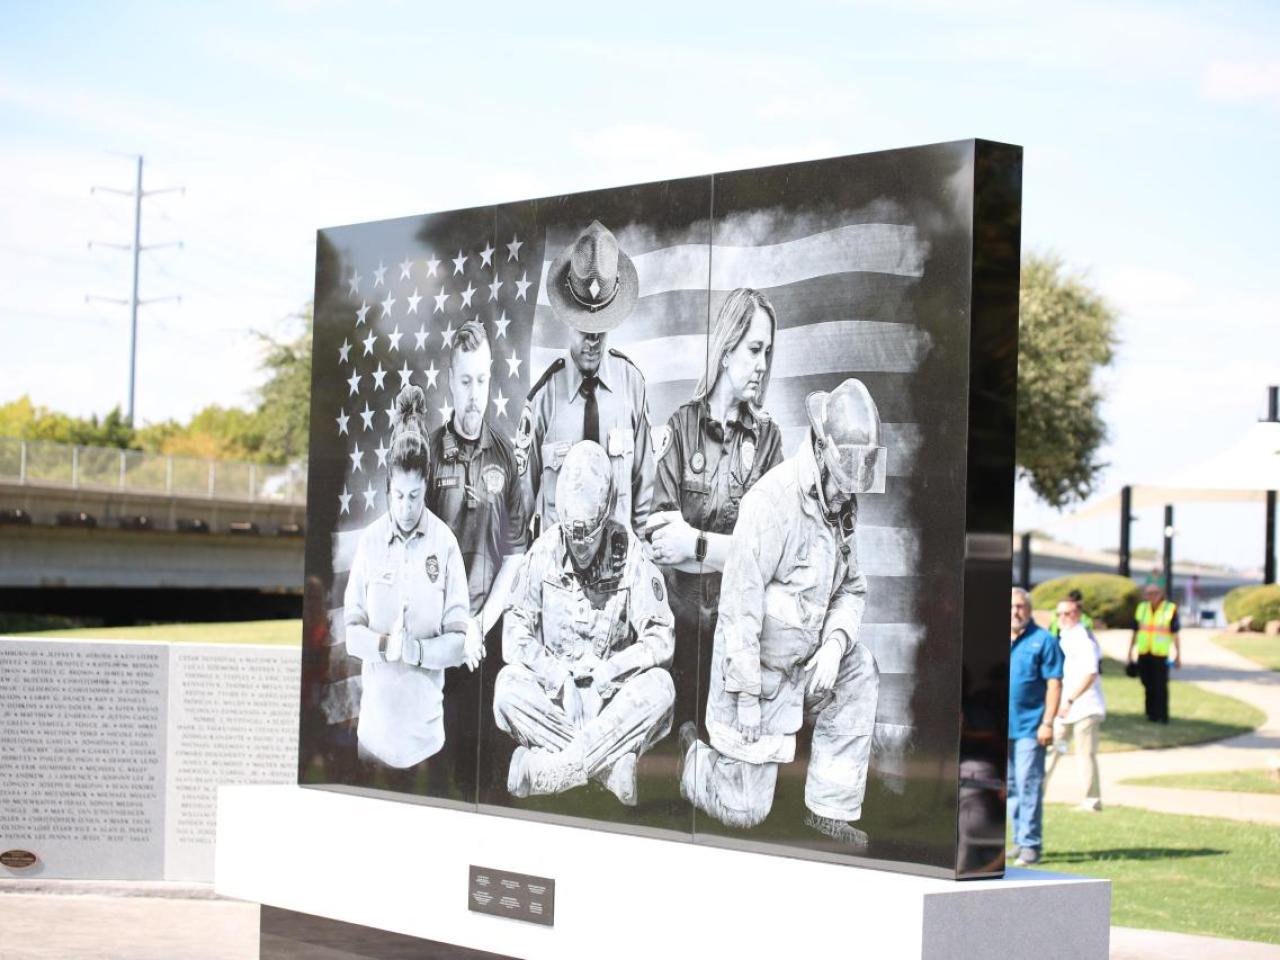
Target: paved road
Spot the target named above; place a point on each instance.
(1214, 668)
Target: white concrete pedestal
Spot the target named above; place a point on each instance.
(403, 867)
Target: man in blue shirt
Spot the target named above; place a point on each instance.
(1035, 686)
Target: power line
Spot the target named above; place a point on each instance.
(136, 248)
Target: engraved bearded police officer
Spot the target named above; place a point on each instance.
(598, 393)
(587, 639)
(787, 643)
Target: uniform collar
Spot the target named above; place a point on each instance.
(604, 374)
(740, 417)
(419, 529)
(452, 442)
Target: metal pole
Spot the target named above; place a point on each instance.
(22, 459)
(1168, 550)
(1269, 559)
(1126, 521)
(124, 467)
(1024, 562)
(75, 467)
(133, 298)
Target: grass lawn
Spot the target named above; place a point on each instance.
(1232, 781)
(1200, 875)
(1258, 647)
(278, 632)
(1195, 715)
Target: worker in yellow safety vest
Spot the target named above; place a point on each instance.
(1155, 633)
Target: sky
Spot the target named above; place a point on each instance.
(1150, 133)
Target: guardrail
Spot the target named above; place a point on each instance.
(41, 463)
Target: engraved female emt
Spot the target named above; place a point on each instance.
(709, 454)
(406, 609)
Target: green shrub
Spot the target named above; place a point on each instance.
(1261, 603)
(1108, 598)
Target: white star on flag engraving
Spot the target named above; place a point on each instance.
(467, 294)
(343, 420)
(501, 325)
(513, 248)
(446, 413)
(378, 376)
(370, 496)
(344, 501)
(390, 414)
(362, 312)
(432, 265)
(486, 255)
(405, 267)
(369, 341)
(440, 298)
(414, 300)
(459, 262)
(353, 283)
(522, 286)
(513, 366)
(356, 456)
(394, 336)
(366, 416)
(354, 383)
(344, 352)
(386, 306)
(378, 275)
(382, 452)
(500, 404)
(405, 375)
(447, 335)
(494, 288)
(420, 338)
(431, 373)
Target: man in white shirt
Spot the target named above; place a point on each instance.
(1082, 710)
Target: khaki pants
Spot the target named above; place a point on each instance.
(1085, 734)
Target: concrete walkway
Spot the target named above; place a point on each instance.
(87, 920)
(1221, 671)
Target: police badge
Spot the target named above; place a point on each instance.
(748, 454)
(433, 568)
(495, 478)
(524, 438)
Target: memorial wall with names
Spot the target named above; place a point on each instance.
(111, 752)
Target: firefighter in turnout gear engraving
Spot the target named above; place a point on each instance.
(787, 642)
(587, 640)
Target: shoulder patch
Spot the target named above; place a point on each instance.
(661, 441)
(657, 589)
(556, 366)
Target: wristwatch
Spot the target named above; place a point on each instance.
(700, 548)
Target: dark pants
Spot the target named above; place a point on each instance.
(466, 694)
(1154, 673)
(695, 604)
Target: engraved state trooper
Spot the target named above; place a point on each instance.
(787, 644)
(587, 639)
(598, 394)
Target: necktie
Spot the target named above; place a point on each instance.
(591, 411)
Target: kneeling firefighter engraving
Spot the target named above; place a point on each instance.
(787, 644)
(586, 640)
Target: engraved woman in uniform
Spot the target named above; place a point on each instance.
(406, 609)
(709, 454)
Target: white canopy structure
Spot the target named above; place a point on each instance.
(1243, 472)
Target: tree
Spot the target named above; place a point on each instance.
(21, 418)
(284, 401)
(1066, 333)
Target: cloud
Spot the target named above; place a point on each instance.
(1242, 82)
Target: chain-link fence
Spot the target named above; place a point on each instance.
(40, 463)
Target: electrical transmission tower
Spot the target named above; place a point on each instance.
(136, 248)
